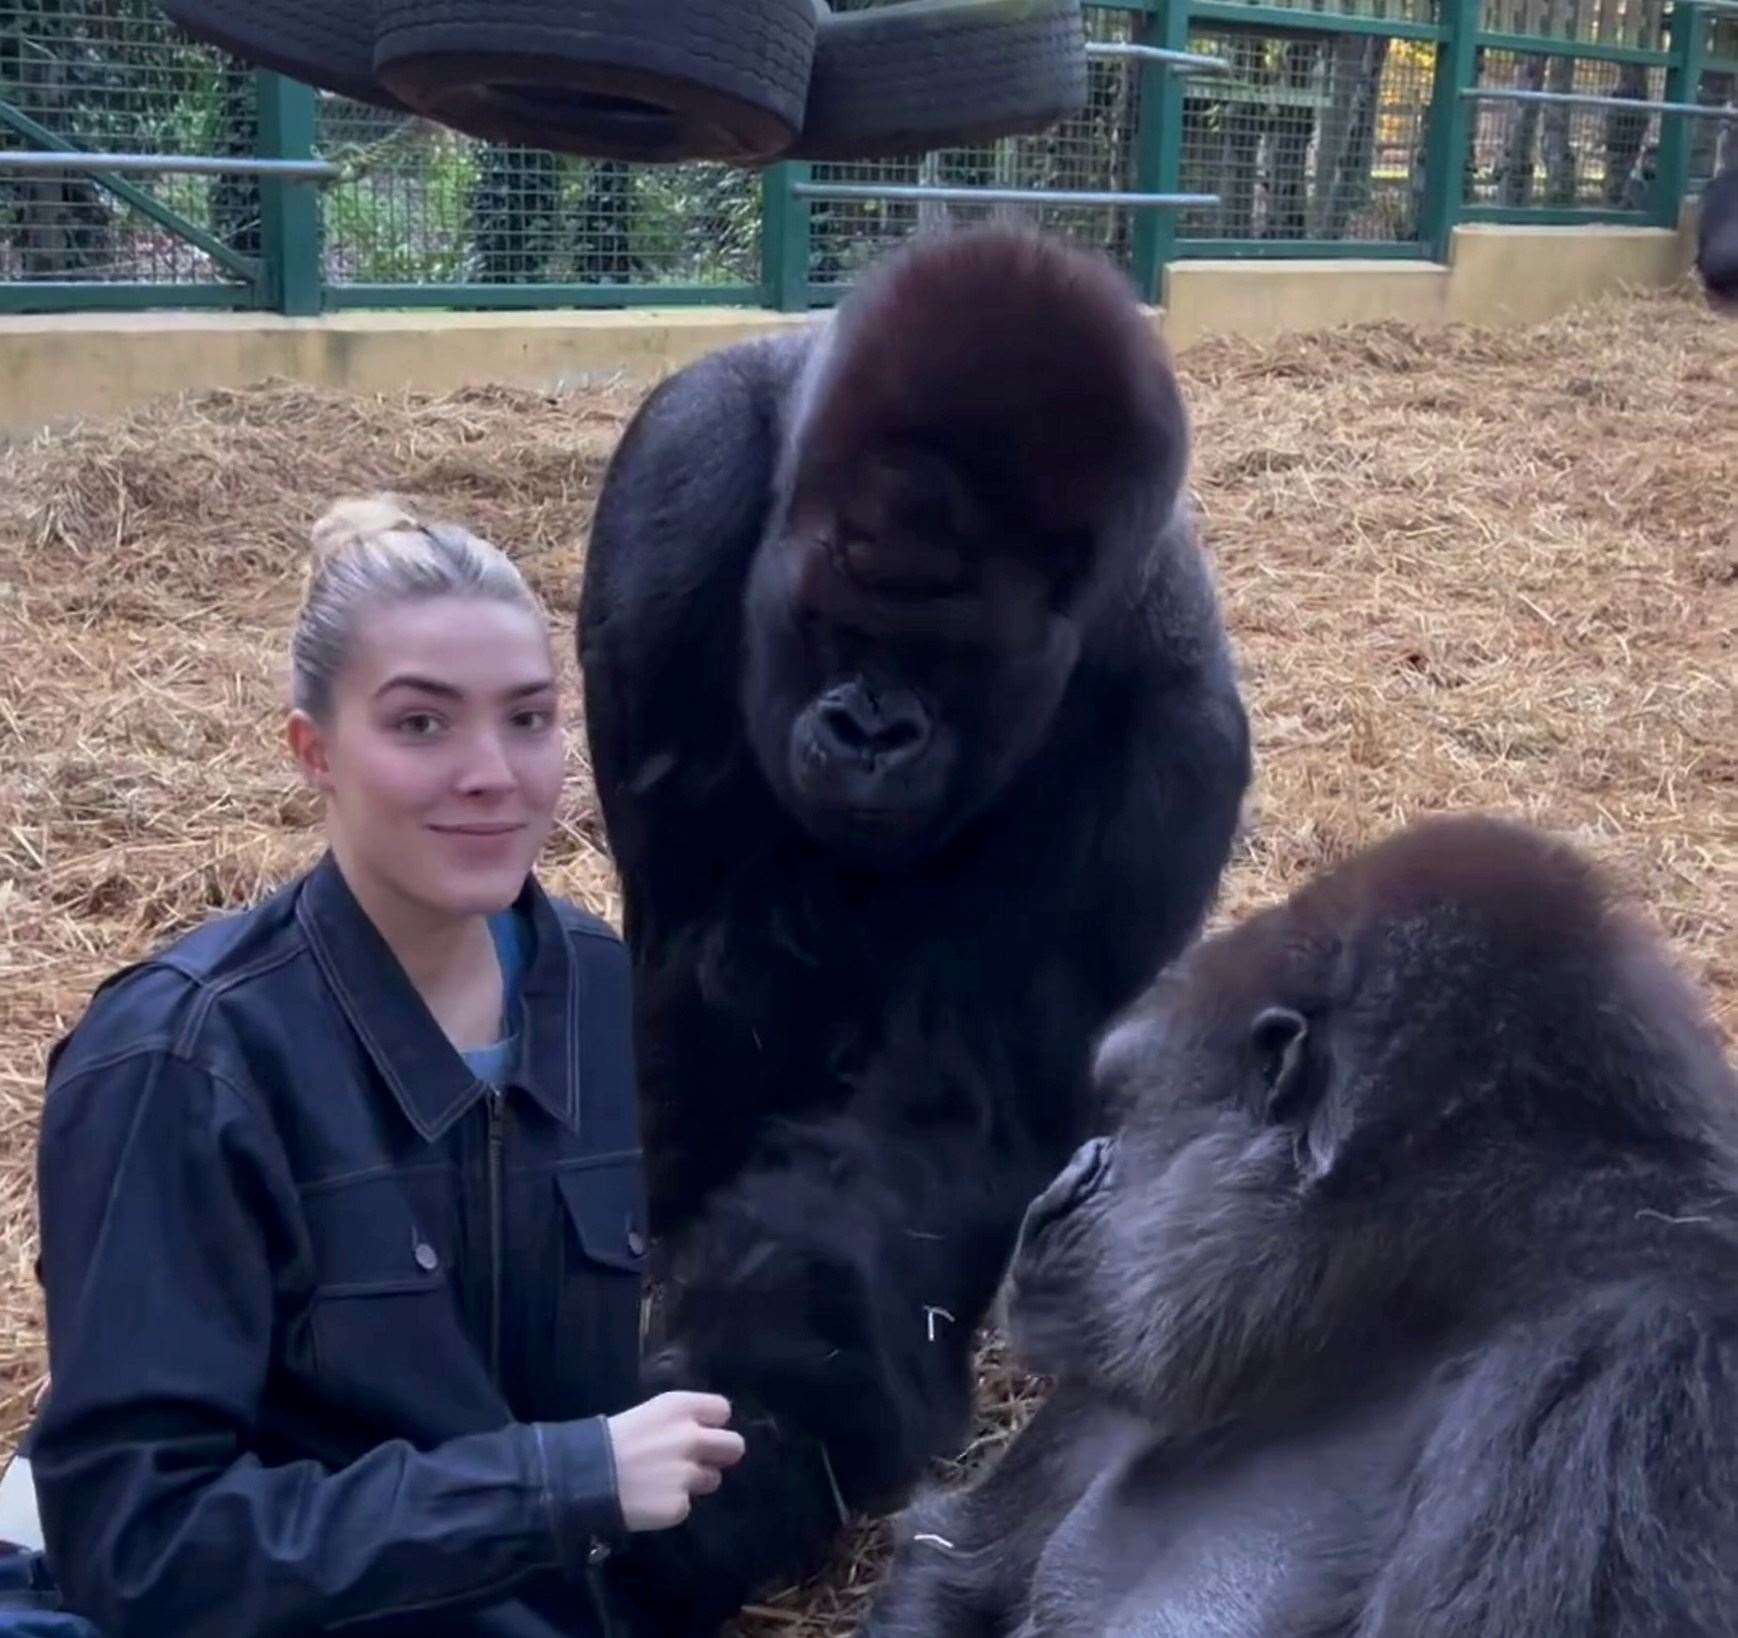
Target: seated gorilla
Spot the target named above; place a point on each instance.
(1717, 239)
(1405, 1304)
(919, 745)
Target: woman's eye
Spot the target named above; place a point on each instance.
(419, 725)
(535, 722)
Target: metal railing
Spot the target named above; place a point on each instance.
(140, 170)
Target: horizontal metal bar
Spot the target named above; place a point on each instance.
(1316, 250)
(282, 170)
(1537, 45)
(1578, 99)
(1004, 196)
(151, 208)
(1221, 16)
(1183, 62)
(37, 296)
(1556, 216)
(500, 298)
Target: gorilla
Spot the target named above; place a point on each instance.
(918, 744)
(1717, 239)
(1402, 1304)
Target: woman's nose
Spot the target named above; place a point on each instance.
(485, 767)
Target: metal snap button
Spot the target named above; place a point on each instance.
(427, 1258)
(636, 1242)
(597, 1552)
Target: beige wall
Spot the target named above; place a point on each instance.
(55, 368)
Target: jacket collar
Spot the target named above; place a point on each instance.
(432, 1083)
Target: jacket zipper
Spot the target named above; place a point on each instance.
(594, 1580)
(497, 1227)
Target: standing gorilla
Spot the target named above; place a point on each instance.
(1404, 1306)
(918, 745)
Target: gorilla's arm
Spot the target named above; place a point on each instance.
(684, 508)
(1583, 1480)
(964, 1562)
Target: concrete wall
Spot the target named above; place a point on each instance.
(1494, 275)
(56, 368)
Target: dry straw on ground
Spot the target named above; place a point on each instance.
(1463, 570)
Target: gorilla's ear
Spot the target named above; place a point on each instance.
(1281, 1038)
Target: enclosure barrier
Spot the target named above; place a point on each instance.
(139, 170)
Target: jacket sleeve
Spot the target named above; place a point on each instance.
(166, 1218)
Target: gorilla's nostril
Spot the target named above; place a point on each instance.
(877, 727)
(1075, 1184)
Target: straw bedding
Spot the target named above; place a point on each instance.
(1463, 569)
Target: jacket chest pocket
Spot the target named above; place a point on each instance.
(385, 1310)
(603, 1269)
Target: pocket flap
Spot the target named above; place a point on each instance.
(606, 1200)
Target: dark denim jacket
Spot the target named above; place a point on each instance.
(332, 1328)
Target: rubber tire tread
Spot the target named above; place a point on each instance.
(328, 43)
(940, 74)
(758, 51)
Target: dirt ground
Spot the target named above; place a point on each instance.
(1463, 570)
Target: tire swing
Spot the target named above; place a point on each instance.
(941, 74)
(658, 81)
(328, 43)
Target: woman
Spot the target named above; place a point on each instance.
(341, 1197)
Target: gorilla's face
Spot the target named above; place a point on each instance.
(1171, 1263)
(902, 664)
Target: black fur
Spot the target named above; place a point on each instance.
(918, 744)
(1717, 239)
(1403, 1305)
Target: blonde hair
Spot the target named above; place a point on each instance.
(377, 551)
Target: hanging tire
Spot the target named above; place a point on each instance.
(652, 80)
(941, 74)
(329, 43)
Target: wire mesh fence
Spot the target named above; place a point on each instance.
(421, 205)
(114, 77)
(1559, 155)
(1092, 152)
(1311, 136)
(1319, 135)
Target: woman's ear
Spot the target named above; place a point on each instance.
(307, 742)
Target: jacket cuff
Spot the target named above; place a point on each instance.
(581, 1498)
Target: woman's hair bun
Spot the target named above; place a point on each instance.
(365, 521)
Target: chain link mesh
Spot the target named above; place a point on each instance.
(1316, 135)
(1092, 152)
(1311, 136)
(421, 205)
(1559, 156)
(110, 75)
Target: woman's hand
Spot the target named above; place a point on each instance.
(668, 1451)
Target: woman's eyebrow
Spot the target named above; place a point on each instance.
(446, 691)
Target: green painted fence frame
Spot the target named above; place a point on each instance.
(288, 276)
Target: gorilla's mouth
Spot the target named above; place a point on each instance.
(879, 834)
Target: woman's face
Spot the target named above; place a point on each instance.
(441, 763)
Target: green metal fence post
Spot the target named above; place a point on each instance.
(1448, 131)
(1689, 39)
(1159, 143)
(289, 211)
(784, 239)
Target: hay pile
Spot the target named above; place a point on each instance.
(1463, 570)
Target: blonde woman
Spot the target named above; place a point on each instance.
(341, 1197)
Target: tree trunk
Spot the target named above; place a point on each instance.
(1624, 134)
(515, 210)
(1291, 130)
(1343, 185)
(1515, 170)
(1561, 186)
